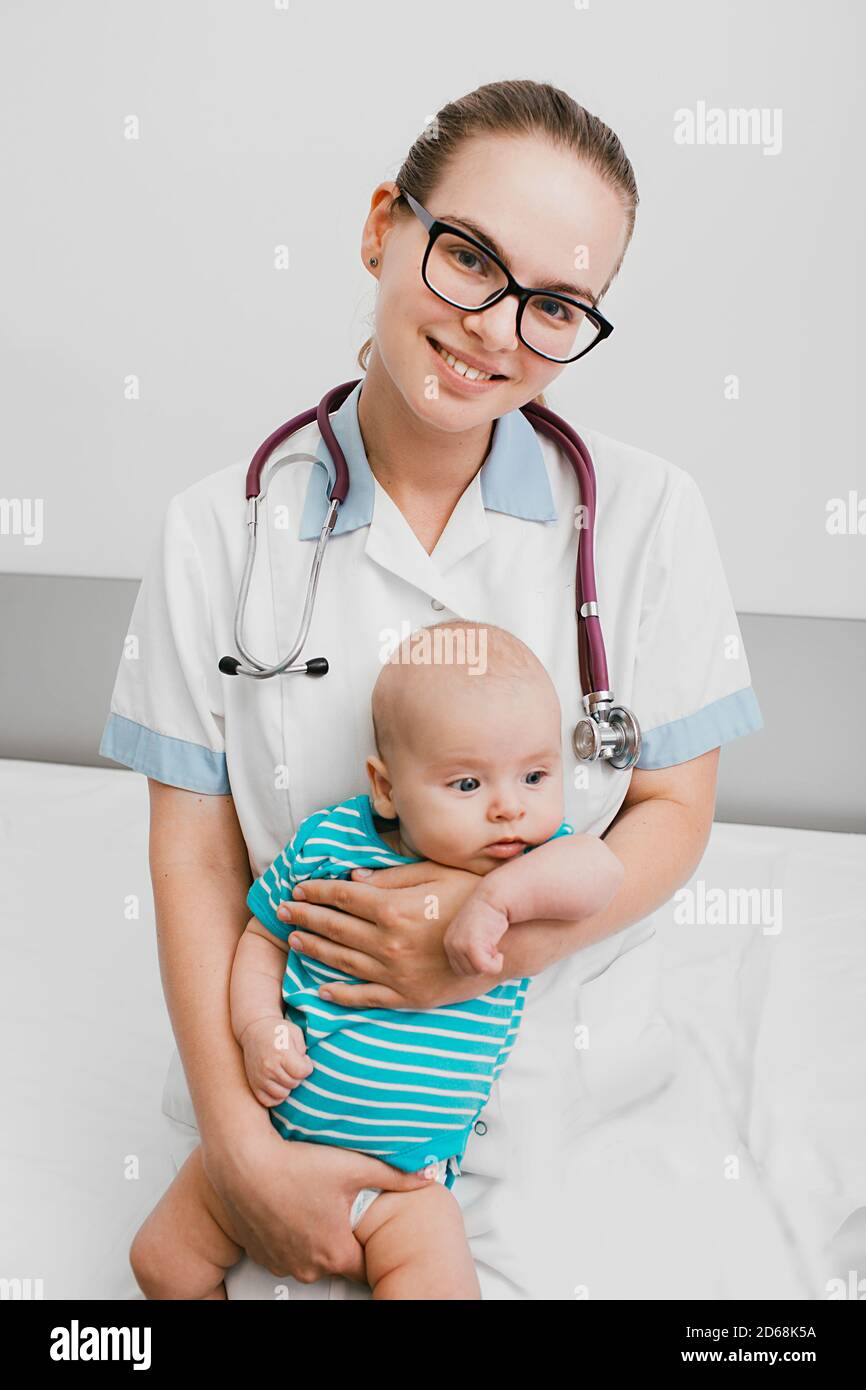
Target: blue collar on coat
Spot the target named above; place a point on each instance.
(513, 476)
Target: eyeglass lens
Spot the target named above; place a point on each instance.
(461, 273)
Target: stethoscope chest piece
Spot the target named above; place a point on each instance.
(611, 733)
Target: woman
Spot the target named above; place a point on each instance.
(456, 507)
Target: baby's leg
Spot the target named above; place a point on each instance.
(187, 1242)
(415, 1246)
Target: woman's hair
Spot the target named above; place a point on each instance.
(519, 107)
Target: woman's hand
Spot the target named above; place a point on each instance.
(387, 929)
(290, 1201)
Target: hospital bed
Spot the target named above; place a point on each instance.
(743, 1177)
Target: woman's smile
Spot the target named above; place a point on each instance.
(466, 376)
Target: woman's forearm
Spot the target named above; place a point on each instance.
(659, 846)
(200, 914)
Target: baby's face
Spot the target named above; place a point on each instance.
(480, 771)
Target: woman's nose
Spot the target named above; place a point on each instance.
(497, 326)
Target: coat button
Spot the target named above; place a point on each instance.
(480, 1127)
(434, 603)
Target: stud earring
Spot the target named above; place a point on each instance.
(373, 260)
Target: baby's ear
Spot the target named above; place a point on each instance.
(380, 788)
(376, 770)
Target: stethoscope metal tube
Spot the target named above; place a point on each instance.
(317, 666)
(609, 732)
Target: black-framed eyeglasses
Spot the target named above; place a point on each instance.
(551, 325)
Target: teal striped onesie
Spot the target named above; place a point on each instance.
(405, 1086)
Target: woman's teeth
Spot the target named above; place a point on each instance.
(471, 372)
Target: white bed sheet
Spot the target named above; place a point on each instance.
(732, 1182)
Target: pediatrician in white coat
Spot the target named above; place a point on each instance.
(457, 508)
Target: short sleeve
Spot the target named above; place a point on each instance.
(692, 686)
(273, 887)
(165, 717)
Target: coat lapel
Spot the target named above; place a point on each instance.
(392, 543)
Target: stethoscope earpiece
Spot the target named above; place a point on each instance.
(316, 666)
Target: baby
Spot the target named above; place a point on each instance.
(468, 774)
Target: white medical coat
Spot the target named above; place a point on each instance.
(287, 746)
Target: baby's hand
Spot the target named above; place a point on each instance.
(472, 936)
(275, 1057)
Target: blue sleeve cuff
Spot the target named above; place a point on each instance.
(715, 724)
(165, 759)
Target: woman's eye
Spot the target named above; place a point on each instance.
(460, 783)
(464, 256)
(563, 313)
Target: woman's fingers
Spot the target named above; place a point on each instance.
(338, 924)
(356, 963)
(360, 898)
(395, 1179)
(400, 876)
(347, 911)
(365, 996)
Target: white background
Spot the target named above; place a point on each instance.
(263, 126)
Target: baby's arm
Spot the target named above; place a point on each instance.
(274, 1048)
(564, 879)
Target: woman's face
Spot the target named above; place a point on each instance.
(546, 210)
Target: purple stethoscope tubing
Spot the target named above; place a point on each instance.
(611, 732)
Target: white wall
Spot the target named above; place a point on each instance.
(262, 125)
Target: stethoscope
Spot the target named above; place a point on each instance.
(609, 731)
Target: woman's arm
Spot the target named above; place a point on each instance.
(290, 1201)
(567, 879)
(562, 879)
(200, 872)
(659, 834)
(395, 943)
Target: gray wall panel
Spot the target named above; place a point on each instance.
(60, 643)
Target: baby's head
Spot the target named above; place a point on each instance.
(469, 749)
